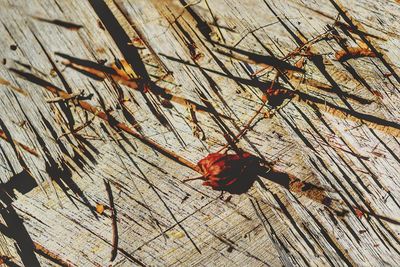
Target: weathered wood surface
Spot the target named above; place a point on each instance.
(162, 221)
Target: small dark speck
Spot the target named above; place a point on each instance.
(101, 25)
(228, 199)
(102, 61)
(13, 47)
(185, 198)
(230, 249)
(4, 61)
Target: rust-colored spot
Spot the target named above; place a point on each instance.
(276, 96)
(377, 93)
(353, 52)
(100, 208)
(359, 213)
(233, 173)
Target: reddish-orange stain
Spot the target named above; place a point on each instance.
(233, 173)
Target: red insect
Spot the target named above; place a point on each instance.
(233, 173)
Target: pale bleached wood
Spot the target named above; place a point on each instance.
(268, 226)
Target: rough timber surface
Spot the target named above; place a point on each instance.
(53, 176)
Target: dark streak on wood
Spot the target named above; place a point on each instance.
(114, 221)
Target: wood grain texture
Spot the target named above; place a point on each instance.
(339, 131)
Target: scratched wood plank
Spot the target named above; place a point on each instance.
(340, 133)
